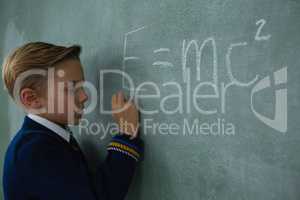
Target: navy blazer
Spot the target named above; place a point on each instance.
(39, 164)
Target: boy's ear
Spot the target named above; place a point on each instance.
(30, 98)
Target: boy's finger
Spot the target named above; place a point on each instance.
(114, 99)
(120, 98)
(134, 135)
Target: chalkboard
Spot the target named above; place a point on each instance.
(220, 80)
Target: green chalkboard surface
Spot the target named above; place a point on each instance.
(217, 82)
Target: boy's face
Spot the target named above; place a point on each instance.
(66, 96)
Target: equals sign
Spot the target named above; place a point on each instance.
(162, 63)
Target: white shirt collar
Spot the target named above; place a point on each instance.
(64, 133)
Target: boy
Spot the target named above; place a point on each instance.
(44, 161)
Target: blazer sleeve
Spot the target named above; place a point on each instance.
(50, 173)
(117, 171)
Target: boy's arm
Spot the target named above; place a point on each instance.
(49, 173)
(124, 151)
(116, 173)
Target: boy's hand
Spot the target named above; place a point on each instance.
(125, 114)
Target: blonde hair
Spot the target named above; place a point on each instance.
(34, 55)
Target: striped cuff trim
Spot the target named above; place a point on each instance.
(122, 141)
(122, 151)
(125, 148)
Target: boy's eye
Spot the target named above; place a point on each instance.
(73, 87)
(77, 83)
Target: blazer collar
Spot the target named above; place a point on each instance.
(35, 122)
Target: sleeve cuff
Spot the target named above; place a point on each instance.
(132, 148)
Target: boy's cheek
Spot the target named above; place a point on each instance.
(66, 109)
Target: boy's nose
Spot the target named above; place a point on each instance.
(83, 97)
